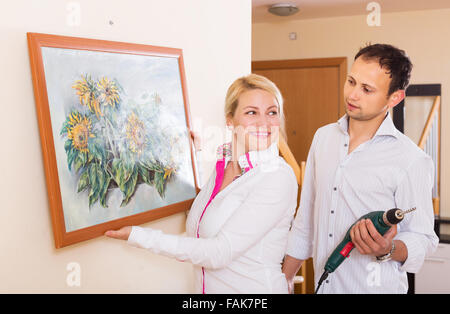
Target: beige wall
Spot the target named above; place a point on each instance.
(202, 28)
(423, 34)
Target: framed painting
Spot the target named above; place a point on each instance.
(114, 126)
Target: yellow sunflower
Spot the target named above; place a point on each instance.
(168, 172)
(79, 131)
(135, 130)
(108, 92)
(86, 91)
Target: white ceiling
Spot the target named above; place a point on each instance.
(328, 8)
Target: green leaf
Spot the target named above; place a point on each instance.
(160, 183)
(83, 183)
(93, 174)
(118, 172)
(100, 181)
(150, 166)
(104, 191)
(93, 150)
(78, 163)
(83, 158)
(130, 187)
(68, 145)
(115, 164)
(128, 167)
(93, 195)
(71, 157)
(116, 168)
(64, 128)
(145, 174)
(101, 176)
(95, 184)
(122, 171)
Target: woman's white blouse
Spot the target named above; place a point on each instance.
(242, 234)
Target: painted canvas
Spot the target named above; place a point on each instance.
(120, 129)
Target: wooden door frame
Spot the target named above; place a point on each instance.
(338, 62)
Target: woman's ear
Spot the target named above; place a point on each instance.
(229, 123)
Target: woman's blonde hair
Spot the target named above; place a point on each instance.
(251, 82)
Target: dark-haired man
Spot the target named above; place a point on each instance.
(361, 164)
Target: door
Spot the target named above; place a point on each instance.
(312, 90)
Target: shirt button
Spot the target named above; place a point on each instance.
(345, 144)
(327, 281)
(332, 211)
(330, 235)
(335, 188)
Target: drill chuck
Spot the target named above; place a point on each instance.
(395, 215)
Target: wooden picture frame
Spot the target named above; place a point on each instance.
(114, 126)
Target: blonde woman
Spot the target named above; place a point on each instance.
(238, 224)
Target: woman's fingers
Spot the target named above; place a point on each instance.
(197, 140)
(121, 234)
(111, 234)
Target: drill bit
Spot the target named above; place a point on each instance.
(409, 210)
(399, 214)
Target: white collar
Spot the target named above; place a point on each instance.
(387, 127)
(250, 159)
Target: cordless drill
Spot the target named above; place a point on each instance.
(382, 221)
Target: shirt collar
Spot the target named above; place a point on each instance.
(251, 159)
(387, 127)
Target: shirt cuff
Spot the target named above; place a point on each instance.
(416, 252)
(154, 241)
(298, 247)
(142, 238)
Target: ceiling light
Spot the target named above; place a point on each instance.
(283, 9)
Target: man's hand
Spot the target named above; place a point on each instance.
(368, 241)
(121, 234)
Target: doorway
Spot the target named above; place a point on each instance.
(312, 90)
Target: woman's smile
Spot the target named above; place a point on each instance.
(260, 134)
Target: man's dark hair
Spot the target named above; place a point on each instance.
(392, 59)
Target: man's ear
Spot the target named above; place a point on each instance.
(396, 98)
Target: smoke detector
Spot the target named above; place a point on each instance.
(283, 9)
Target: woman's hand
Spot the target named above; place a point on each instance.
(290, 268)
(121, 234)
(290, 286)
(197, 141)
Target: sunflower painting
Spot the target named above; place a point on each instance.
(120, 134)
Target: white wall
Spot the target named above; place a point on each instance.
(422, 34)
(216, 40)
